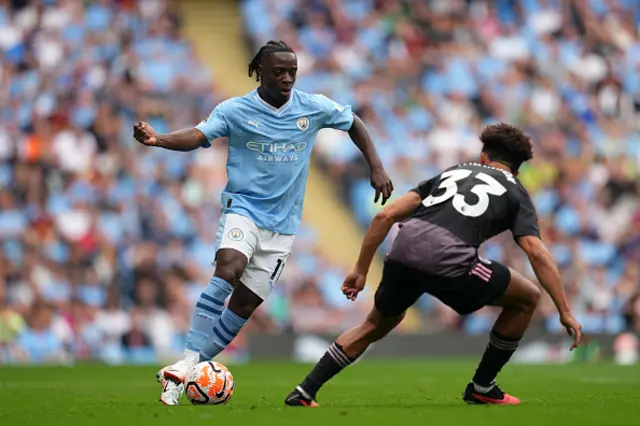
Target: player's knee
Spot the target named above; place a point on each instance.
(522, 294)
(230, 268)
(243, 308)
(530, 297)
(375, 328)
(368, 333)
(243, 301)
(227, 273)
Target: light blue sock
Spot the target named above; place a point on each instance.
(208, 310)
(224, 332)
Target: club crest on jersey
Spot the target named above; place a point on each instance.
(236, 234)
(302, 123)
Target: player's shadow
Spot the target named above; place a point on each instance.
(431, 402)
(423, 403)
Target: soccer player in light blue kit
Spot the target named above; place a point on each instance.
(271, 133)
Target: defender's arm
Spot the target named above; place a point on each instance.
(397, 211)
(546, 269)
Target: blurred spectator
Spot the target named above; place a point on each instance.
(38, 343)
(136, 343)
(11, 324)
(135, 338)
(309, 313)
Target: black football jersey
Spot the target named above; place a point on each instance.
(461, 208)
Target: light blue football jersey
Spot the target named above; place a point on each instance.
(269, 153)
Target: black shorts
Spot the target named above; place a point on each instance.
(401, 286)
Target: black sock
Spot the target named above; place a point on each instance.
(331, 363)
(497, 354)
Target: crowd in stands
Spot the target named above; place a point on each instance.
(105, 244)
(427, 76)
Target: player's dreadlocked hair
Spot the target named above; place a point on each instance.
(506, 144)
(267, 49)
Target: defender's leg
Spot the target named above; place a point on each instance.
(519, 302)
(398, 290)
(342, 353)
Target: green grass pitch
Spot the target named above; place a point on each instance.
(386, 393)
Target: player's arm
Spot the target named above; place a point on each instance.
(342, 118)
(180, 140)
(380, 181)
(546, 269)
(397, 211)
(215, 126)
(527, 234)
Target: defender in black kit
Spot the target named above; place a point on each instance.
(444, 220)
(436, 249)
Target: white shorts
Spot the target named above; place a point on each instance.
(266, 251)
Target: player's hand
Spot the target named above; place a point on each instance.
(574, 329)
(353, 284)
(381, 182)
(145, 134)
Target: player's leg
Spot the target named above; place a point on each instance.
(241, 306)
(343, 352)
(230, 265)
(259, 277)
(518, 302)
(396, 292)
(236, 242)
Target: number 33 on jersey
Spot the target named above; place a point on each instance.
(476, 202)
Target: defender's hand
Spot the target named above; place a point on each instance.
(381, 182)
(145, 134)
(353, 284)
(573, 328)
